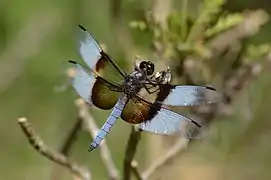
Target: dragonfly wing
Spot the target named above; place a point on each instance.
(167, 122)
(187, 95)
(96, 59)
(88, 48)
(154, 118)
(94, 89)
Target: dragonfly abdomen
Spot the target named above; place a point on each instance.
(111, 120)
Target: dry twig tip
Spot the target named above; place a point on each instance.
(37, 143)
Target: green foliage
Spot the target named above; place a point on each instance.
(185, 33)
(224, 22)
(138, 24)
(208, 11)
(186, 36)
(257, 52)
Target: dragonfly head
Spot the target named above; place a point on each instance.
(147, 67)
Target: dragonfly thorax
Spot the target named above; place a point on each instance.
(133, 83)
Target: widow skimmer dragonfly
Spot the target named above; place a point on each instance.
(141, 97)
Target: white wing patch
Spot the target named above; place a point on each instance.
(83, 83)
(167, 122)
(88, 48)
(191, 96)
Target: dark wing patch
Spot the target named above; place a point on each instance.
(136, 111)
(104, 95)
(143, 106)
(94, 89)
(156, 119)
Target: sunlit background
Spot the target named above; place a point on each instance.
(226, 45)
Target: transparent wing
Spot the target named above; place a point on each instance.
(88, 48)
(156, 119)
(167, 122)
(95, 58)
(83, 83)
(186, 95)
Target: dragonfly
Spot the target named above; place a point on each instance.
(142, 97)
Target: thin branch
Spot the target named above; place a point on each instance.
(125, 44)
(161, 9)
(90, 126)
(71, 137)
(184, 19)
(65, 148)
(159, 163)
(136, 172)
(49, 153)
(115, 9)
(131, 146)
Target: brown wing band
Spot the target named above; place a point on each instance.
(104, 95)
(139, 110)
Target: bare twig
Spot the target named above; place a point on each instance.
(130, 151)
(161, 10)
(159, 163)
(65, 148)
(184, 19)
(58, 158)
(71, 137)
(115, 9)
(135, 170)
(90, 126)
(125, 44)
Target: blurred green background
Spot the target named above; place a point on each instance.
(37, 39)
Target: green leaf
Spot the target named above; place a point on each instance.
(224, 23)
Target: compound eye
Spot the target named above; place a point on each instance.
(143, 66)
(147, 67)
(150, 68)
